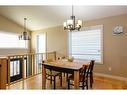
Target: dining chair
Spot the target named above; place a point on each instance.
(83, 78)
(90, 72)
(51, 75)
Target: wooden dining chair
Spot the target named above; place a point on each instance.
(90, 72)
(83, 78)
(51, 75)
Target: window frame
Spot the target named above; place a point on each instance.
(91, 28)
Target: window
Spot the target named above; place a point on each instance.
(11, 40)
(87, 43)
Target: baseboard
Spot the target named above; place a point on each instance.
(111, 76)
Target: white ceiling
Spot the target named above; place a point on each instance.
(47, 16)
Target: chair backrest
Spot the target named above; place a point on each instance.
(49, 60)
(83, 73)
(90, 69)
(51, 55)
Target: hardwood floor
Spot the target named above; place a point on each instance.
(99, 83)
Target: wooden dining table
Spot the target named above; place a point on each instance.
(65, 67)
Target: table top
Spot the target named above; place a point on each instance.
(76, 64)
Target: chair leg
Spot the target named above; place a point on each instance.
(64, 74)
(91, 80)
(68, 84)
(50, 79)
(67, 77)
(54, 82)
(86, 84)
(61, 80)
(82, 85)
(92, 77)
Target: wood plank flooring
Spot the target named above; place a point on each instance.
(35, 83)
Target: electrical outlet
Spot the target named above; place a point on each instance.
(109, 68)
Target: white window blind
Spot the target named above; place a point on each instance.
(86, 44)
(11, 40)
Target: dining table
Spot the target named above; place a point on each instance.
(64, 66)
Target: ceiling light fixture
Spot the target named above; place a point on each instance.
(24, 35)
(72, 24)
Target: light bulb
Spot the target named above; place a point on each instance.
(69, 22)
(80, 22)
(65, 24)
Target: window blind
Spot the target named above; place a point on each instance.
(86, 44)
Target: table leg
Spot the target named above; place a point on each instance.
(43, 77)
(76, 79)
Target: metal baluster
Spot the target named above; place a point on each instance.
(41, 62)
(26, 64)
(36, 63)
(33, 64)
(13, 65)
(16, 66)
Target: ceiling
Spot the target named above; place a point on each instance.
(39, 17)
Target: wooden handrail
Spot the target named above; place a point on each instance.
(29, 54)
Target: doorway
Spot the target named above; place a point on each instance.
(40, 48)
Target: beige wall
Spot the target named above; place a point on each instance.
(56, 40)
(7, 25)
(115, 47)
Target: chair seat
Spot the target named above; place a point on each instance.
(52, 73)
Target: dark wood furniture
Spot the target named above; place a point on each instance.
(63, 66)
(90, 72)
(83, 78)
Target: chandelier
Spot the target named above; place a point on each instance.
(24, 35)
(72, 24)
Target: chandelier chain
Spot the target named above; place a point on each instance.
(25, 24)
(72, 10)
